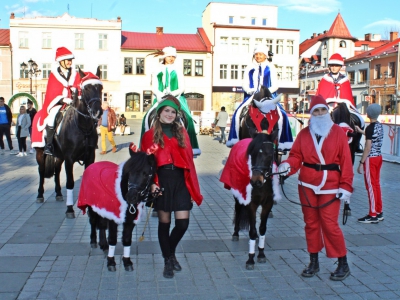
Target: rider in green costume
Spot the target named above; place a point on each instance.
(168, 80)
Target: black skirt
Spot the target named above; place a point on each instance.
(176, 196)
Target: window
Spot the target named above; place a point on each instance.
(377, 72)
(289, 73)
(269, 43)
(147, 99)
(139, 65)
(230, 19)
(23, 39)
(279, 72)
(103, 72)
(77, 67)
(253, 21)
(223, 69)
(351, 75)
(132, 102)
(245, 45)
(234, 71)
(264, 22)
(243, 69)
(128, 65)
(23, 73)
(78, 40)
(198, 67)
(290, 47)
(187, 67)
(279, 46)
(105, 97)
(364, 47)
(392, 70)
(235, 45)
(362, 76)
(258, 42)
(46, 40)
(342, 44)
(102, 41)
(324, 46)
(224, 43)
(46, 70)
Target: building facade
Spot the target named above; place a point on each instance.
(5, 64)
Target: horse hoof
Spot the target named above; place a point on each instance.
(261, 260)
(39, 200)
(70, 215)
(249, 266)
(93, 245)
(59, 198)
(235, 238)
(111, 268)
(270, 215)
(129, 268)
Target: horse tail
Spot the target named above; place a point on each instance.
(49, 166)
(241, 217)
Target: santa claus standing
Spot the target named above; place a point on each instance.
(63, 81)
(322, 157)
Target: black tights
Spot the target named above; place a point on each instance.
(169, 242)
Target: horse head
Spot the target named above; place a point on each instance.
(137, 177)
(91, 90)
(262, 150)
(341, 114)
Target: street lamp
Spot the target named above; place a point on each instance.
(32, 70)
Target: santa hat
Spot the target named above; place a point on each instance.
(317, 101)
(169, 51)
(90, 78)
(261, 49)
(63, 53)
(336, 59)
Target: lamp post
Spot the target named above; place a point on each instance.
(384, 90)
(32, 70)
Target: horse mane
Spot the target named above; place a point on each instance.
(341, 114)
(259, 139)
(138, 160)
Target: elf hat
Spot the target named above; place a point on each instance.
(336, 59)
(63, 53)
(169, 101)
(317, 101)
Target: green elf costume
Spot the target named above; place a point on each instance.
(167, 80)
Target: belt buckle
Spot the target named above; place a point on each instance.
(173, 167)
(319, 167)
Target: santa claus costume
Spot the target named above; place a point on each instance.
(322, 157)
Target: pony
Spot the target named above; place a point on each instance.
(76, 140)
(115, 194)
(249, 173)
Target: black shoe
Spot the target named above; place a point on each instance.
(380, 217)
(168, 268)
(313, 267)
(342, 271)
(369, 220)
(175, 263)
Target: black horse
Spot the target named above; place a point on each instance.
(132, 188)
(75, 142)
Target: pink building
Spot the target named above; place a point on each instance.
(5, 65)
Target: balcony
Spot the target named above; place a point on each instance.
(381, 81)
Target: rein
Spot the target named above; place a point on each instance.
(143, 194)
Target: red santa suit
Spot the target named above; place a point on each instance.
(57, 89)
(318, 187)
(339, 91)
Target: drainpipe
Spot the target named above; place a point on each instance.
(12, 76)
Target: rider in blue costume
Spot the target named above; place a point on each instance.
(261, 72)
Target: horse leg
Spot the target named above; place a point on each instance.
(252, 234)
(127, 240)
(93, 219)
(57, 171)
(102, 225)
(69, 164)
(236, 220)
(112, 241)
(40, 162)
(266, 208)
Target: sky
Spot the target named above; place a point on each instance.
(184, 16)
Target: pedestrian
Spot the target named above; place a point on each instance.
(335, 87)
(261, 72)
(222, 119)
(22, 129)
(122, 124)
(5, 126)
(63, 81)
(107, 125)
(168, 79)
(176, 177)
(371, 164)
(32, 112)
(322, 155)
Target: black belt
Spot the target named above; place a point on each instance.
(319, 167)
(169, 167)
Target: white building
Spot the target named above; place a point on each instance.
(234, 31)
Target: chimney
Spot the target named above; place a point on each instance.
(393, 35)
(159, 30)
(314, 34)
(12, 16)
(118, 19)
(368, 37)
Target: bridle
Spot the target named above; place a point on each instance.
(141, 193)
(89, 105)
(266, 171)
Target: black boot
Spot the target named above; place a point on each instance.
(49, 149)
(168, 268)
(342, 271)
(313, 267)
(175, 263)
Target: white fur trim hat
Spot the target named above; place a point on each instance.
(336, 59)
(261, 49)
(63, 53)
(90, 78)
(169, 51)
(317, 101)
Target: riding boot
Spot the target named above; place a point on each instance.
(49, 149)
(168, 268)
(175, 263)
(313, 267)
(356, 141)
(342, 271)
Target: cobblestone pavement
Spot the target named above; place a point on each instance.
(45, 256)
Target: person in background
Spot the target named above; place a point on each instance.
(371, 164)
(322, 155)
(176, 177)
(107, 125)
(5, 126)
(222, 119)
(32, 112)
(122, 124)
(22, 128)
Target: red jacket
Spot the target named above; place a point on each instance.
(172, 153)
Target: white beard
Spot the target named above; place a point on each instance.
(321, 125)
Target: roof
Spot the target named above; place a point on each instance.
(307, 44)
(4, 37)
(339, 29)
(388, 48)
(152, 41)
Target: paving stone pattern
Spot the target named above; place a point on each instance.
(45, 256)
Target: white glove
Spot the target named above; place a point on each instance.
(284, 169)
(344, 196)
(67, 100)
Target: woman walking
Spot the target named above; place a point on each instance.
(23, 124)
